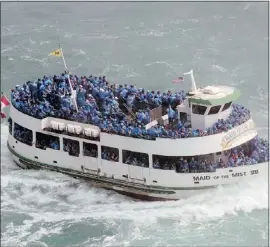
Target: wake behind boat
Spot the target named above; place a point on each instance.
(141, 143)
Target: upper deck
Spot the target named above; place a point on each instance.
(128, 111)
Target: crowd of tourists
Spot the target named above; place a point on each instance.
(23, 135)
(255, 151)
(136, 159)
(110, 154)
(71, 146)
(106, 105)
(90, 150)
(183, 165)
(47, 141)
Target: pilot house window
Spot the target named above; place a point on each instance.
(71, 146)
(135, 158)
(23, 135)
(199, 109)
(44, 141)
(214, 110)
(226, 106)
(110, 154)
(90, 149)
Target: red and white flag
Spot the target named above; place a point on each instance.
(4, 103)
(179, 79)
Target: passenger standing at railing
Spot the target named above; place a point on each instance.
(80, 96)
(171, 114)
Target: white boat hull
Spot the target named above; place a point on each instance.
(144, 191)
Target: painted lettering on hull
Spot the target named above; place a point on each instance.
(253, 172)
(232, 134)
(238, 174)
(201, 178)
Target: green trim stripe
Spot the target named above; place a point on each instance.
(220, 101)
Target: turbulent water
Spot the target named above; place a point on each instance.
(146, 44)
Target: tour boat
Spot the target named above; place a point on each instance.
(200, 109)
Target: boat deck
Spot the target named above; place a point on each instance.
(123, 110)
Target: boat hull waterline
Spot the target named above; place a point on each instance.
(153, 193)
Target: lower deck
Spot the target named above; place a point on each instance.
(94, 157)
(134, 176)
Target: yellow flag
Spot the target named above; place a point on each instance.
(56, 53)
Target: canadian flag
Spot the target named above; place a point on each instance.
(4, 104)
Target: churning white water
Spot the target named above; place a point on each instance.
(147, 45)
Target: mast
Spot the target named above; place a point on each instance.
(73, 92)
(193, 83)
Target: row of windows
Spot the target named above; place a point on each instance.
(200, 109)
(44, 141)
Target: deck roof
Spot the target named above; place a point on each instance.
(214, 95)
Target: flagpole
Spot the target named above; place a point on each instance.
(73, 94)
(193, 83)
(64, 61)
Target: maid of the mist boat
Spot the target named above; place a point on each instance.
(152, 167)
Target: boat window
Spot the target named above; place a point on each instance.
(44, 141)
(71, 146)
(23, 135)
(135, 158)
(226, 106)
(185, 164)
(109, 153)
(10, 125)
(199, 109)
(90, 149)
(164, 162)
(214, 109)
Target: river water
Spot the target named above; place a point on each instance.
(148, 45)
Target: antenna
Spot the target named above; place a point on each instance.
(193, 83)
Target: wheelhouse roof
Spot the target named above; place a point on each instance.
(214, 95)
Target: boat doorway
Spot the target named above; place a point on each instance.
(137, 164)
(183, 117)
(90, 164)
(90, 157)
(136, 173)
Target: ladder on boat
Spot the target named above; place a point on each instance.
(129, 110)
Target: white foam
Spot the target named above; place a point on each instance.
(79, 52)
(53, 198)
(261, 94)
(159, 62)
(154, 33)
(219, 68)
(29, 58)
(7, 50)
(101, 36)
(44, 42)
(247, 6)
